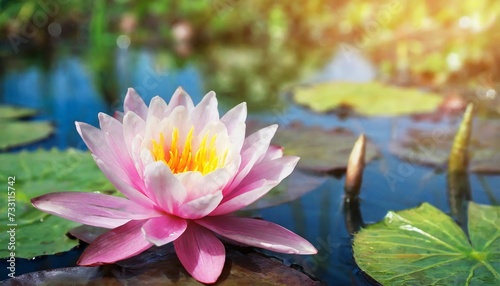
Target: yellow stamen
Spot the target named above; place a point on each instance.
(204, 160)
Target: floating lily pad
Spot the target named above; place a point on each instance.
(12, 112)
(428, 147)
(320, 149)
(38, 173)
(160, 266)
(424, 246)
(17, 133)
(370, 99)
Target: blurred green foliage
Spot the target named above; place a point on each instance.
(416, 42)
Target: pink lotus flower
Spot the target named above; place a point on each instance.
(183, 171)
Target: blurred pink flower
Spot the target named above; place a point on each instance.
(183, 171)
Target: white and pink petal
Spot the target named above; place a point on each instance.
(95, 140)
(157, 108)
(234, 117)
(93, 209)
(113, 132)
(180, 98)
(200, 207)
(123, 184)
(164, 229)
(134, 103)
(133, 126)
(258, 233)
(253, 150)
(248, 195)
(234, 120)
(273, 152)
(205, 112)
(163, 187)
(260, 180)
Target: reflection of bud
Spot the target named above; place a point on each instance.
(459, 194)
(355, 168)
(352, 215)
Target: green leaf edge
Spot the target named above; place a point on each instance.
(473, 254)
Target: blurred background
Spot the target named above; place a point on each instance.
(248, 50)
(71, 59)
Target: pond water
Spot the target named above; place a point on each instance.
(67, 90)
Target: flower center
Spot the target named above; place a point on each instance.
(204, 160)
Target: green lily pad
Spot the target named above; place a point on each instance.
(424, 246)
(18, 133)
(319, 149)
(38, 173)
(12, 112)
(372, 99)
(428, 147)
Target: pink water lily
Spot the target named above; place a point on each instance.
(183, 171)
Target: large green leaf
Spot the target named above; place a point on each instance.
(38, 173)
(424, 246)
(17, 133)
(371, 98)
(320, 149)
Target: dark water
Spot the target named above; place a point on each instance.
(67, 91)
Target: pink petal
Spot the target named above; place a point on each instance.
(205, 112)
(164, 187)
(198, 185)
(120, 243)
(92, 209)
(258, 233)
(257, 183)
(234, 120)
(238, 136)
(113, 131)
(95, 140)
(134, 103)
(180, 98)
(123, 185)
(133, 125)
(274, 170)
(249, 194)
(253, 150)
(274, 152)
(105, 158)
(164, 229)
(178, 118)
(200, 207)
(201, 253)
(234, 117)
(157, 108)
